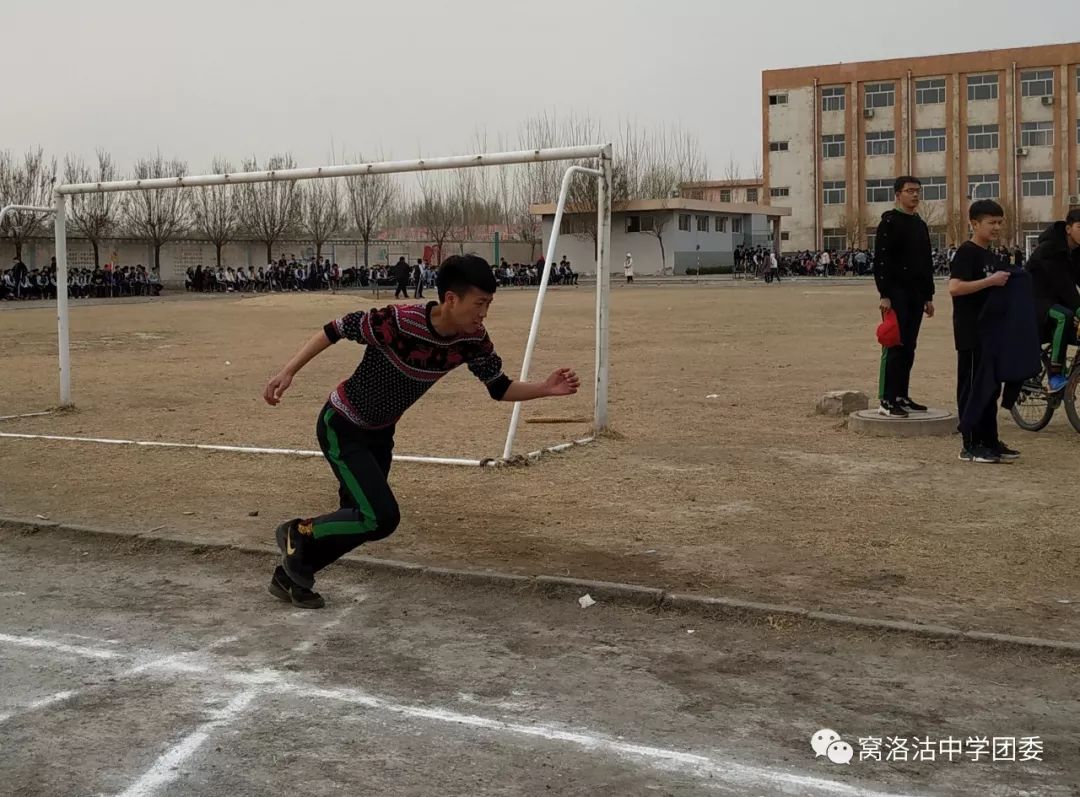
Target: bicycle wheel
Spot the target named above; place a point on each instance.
(1034, 409)
(1070, 398)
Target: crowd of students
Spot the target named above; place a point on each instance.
(311, 274)
(23, 283)
(522, 274)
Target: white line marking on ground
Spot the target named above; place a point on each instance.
(41, 703)
(304, 647)
(746, 776)
(11, 594)
(166, 768)
(60, 647)
(337, 620)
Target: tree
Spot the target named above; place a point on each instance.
(852, 226)
(216, 210)
(28, 181)
(371, 197)
(94, 216)
(436, 211)
(269, 210)
(320, 211)
(158, 216)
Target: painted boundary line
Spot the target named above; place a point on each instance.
(617, 593)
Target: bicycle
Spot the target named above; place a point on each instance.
(1035, 406)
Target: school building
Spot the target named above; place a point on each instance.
(664, 236)
(1000, 124)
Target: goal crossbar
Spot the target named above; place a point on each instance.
(601, 153)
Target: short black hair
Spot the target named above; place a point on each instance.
(898, 186)
(983, 208)
(459, 273)
(1072, 217)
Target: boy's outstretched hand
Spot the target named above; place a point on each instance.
(276, 388)
(563, 382)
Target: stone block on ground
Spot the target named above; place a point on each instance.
(841, 403)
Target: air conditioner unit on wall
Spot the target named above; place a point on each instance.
(868, 113)
(1022, 151)
(1074, 199)
(1048, 100)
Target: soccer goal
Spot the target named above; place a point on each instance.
(600, 154)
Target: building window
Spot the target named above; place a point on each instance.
(684, 222)
(648, 223)
(633, 223)
(1037, 83)
(833, 98)
(882, 142)
(1078, 80)
(1036, 134)
(984, 186)
(934, 188)
(785, 236)
(982, 137)
(779, 192)
(982, 87)
(725, 195)
(736, 224)
(702, 223)
(930, 139)
(834, 193)
(1038, 183)
(834, 239)
(751, 195)
(721, 223)
(1078, 131)
(833, 146)
(778, 99)
(778, 146)
(930, 92)
(879, 191)
(880, 95)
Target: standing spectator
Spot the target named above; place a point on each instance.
(401, 277)
(774, 266)
(418, 279)
(904, 274)
(628, 269)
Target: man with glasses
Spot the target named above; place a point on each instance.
(904, 274)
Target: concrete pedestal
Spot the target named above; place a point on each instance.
(932, 423)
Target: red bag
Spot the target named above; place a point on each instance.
(888, 331)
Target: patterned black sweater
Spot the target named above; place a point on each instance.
(405, 356)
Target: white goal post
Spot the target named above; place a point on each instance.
(601, 153)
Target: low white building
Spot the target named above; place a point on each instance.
(665, 236)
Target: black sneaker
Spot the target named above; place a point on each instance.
(291, 542)
(911, 406)
(985, 456)
(966, 455)
(1003, 451)
(285, 589)
(892, 410)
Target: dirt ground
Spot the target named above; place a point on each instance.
(405, 686)
(747, 494)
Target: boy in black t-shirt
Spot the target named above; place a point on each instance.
(968, 282)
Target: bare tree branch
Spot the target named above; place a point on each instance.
(94, 215)
(371, 198)
(436, 211)
(269, 210)
(216, 209)
(321, 213)
(28, 181)
(158, 216)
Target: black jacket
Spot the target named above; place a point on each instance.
(1054, 271)
(903, 256)
(401, 271)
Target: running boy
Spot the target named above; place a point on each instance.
(968, 282)
(409, 348)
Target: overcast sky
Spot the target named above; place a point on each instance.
(203, 78)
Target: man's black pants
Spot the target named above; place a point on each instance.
(899, 360)
(402, 288)
(360, 460)
(984, 430)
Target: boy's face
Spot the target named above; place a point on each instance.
(987, 228)
(468, 310)
(1072, 232)
(909, 196)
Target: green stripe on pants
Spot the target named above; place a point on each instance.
(1057, 352)
(881, 375)
(369, 521)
